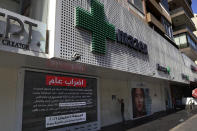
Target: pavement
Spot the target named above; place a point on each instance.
(188, 125)
(178, 121)
(175, 121)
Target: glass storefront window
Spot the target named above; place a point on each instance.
(35, 9)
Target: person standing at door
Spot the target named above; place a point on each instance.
(121, 101)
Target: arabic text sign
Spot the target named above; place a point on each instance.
(65, 119)
(43, 99)
(65, 81)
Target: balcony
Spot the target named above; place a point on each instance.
(183, 29)
(187, 43)
(188, 51)
(180, 17)
(151, 19)
(174, 4)
(156, 8)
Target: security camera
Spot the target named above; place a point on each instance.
(75, 56)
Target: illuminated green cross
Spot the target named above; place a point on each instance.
(95, 22)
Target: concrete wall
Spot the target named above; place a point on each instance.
(8, 89)
(110, 109)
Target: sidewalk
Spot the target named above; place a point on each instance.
(166, 123)
(158, 122)
(189, 125)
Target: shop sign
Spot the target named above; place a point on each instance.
(193, 68)
(53, 101)
(194, 93)
(131, 42)
(19, 32)
(102, 30)
(166, 70)
(185, 77)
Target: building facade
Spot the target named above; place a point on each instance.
(183, 26)
(194, 19)
(66, 63)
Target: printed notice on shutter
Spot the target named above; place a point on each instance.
(54, 101)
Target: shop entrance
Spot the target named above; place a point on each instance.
(179, 92)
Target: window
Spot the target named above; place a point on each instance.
(168, 27)
(181, 40)
(35, 9)
(165, 4)
(191, 42)
(138, 4)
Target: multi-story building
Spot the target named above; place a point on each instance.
(183, 27)
(65, 64)
(155, 13)
(158, 18)
(194, 19)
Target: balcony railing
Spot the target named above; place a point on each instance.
(153, 20)
(156, 7)
(180, 11)
(191, 35)
(176, 10)
(184, 29)
(181, 3)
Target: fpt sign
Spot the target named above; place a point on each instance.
(95, 22)
(21, 33)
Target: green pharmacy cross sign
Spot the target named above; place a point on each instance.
(95, 22)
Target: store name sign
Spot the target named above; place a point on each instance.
(131, 42)
(185, 77)
(163, 69)
(21, 32)
(101, 30)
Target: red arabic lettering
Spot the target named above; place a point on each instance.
(65, 81)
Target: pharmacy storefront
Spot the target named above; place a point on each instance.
(68, 70)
